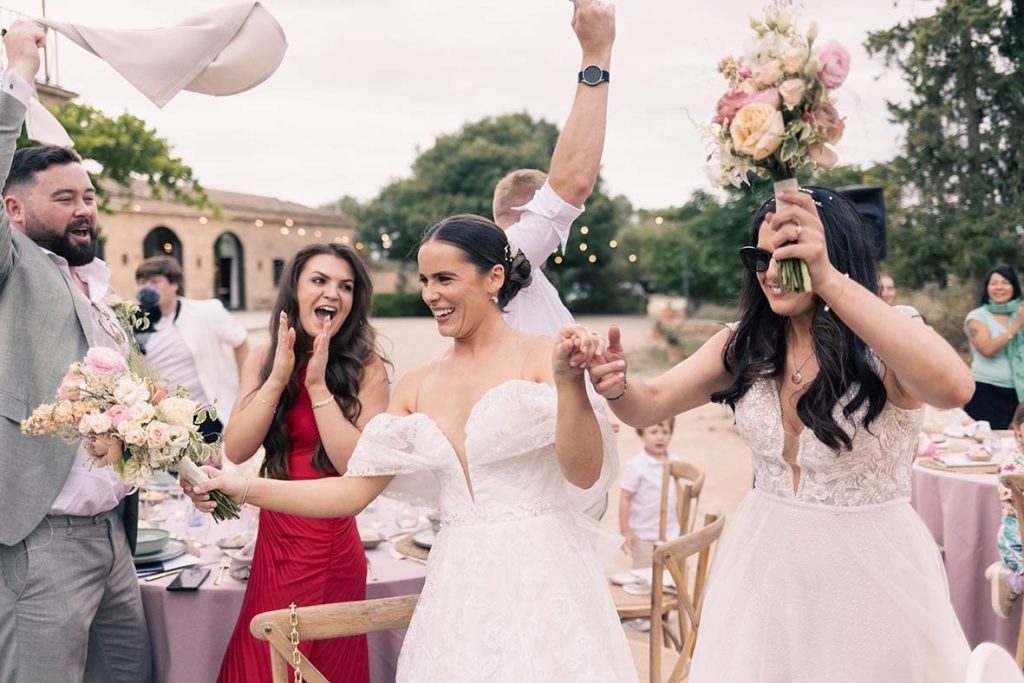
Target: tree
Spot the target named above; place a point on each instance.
(458, 174)
(125, 148)
(962, 164)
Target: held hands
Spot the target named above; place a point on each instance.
(799, 223)
(284, 355)
(576, 349)
(22, 43)
(608, 372)
(594, 24)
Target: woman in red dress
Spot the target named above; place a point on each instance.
(304, 397)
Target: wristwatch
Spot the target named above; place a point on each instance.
(593, 75)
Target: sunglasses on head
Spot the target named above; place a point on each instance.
(754, 259)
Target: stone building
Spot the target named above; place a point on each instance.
(235, 253)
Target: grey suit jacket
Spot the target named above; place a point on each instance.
(44, 328)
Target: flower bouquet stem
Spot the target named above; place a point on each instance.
(226, 508)
(793, 273)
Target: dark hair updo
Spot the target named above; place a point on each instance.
(484, 245)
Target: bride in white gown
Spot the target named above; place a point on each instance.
(825, 573)
(500, 433)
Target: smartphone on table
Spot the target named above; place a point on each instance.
(190, 579)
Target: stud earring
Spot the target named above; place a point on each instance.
(494, 299)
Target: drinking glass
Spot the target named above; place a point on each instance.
(407, 517)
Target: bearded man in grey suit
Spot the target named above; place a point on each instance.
(70, 608)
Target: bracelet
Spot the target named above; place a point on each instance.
(625, 385)
(321, 404)
(266, 403)
(828, 307)
(245, 491)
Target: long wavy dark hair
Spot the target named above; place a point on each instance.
(351, 348)
(757, 347)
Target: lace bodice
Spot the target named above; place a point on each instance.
(876, 470)
(510, 439)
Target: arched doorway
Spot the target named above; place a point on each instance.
(229, 271)
(161, 241)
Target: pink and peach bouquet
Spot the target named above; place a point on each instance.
(778, 115)
(103, 398)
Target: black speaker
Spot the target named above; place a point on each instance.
(870, 204)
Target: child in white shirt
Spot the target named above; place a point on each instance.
(640, 501)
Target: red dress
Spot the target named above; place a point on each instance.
(305, 561)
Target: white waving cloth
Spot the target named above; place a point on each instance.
(222, 51)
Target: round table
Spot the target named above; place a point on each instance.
(962, 511)
(189, 631)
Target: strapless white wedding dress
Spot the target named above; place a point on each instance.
(514, 592)
(838, 580)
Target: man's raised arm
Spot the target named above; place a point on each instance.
(21, 44)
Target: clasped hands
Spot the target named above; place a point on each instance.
(580, 350)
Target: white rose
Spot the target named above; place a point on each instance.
(177, 436)
(136, 436)
(156, 434)
(129, 392)
(141, 412)
(98, 423)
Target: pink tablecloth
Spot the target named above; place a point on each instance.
(962, 512)
(189, 631)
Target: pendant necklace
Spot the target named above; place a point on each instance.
(796, 377)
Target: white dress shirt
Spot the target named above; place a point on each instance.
(543, 225)
(642, 477)
(91, 490)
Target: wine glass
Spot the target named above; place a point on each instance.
(407, 517)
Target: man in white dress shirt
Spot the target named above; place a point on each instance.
(537, 210)
(70, 608)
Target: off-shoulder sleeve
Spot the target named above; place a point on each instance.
(409, 448)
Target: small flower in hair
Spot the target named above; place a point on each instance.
(508, 253)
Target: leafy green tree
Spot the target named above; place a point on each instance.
(458, 174)
(961, 169)
(125, 148)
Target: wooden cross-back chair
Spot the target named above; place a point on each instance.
(688, 481)
(665, 664)
(320, 622)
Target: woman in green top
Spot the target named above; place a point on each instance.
(993, 330)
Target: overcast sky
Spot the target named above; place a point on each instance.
(365, 83)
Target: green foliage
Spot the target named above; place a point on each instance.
(458, 175)
(399, 305)
(962, 164)
(125, 149)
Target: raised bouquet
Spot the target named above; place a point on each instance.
(778, 116)
(107, 397)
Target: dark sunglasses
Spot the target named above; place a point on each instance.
(755, 260)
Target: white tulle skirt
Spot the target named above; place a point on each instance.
(519, 601)
(808, 593)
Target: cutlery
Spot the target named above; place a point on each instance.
(225, 563)
(369, 569)
(399, 556)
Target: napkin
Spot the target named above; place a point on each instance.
(222, 51)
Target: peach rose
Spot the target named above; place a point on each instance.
(757, 130)
(826, 119)
(792, 92)
(770, 73)
(793, 59)
(822, 155)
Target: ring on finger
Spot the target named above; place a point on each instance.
(799, 229)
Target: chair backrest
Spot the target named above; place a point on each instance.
(688, 481)
(336, 620)
(672, 557)
(990, 663)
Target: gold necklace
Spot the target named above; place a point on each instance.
(796, 377)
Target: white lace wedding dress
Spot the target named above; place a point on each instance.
(514, 590)
(837, 581)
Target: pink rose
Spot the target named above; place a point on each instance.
(118, 414)
(731, 102)
(103, 361)
(826, 119)
(834, 64)
(822, 155)
(156, 434)
(70, 387)
(792, 92)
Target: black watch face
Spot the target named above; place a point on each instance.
(592, 74)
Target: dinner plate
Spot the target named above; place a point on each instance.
(173, 549)
(424, 538)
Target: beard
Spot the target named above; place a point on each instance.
(61, 243)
